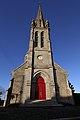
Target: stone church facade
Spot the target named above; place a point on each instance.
(39, 77)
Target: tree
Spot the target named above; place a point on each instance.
(71, 86)
(2, 92)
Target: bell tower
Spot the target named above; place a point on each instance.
(39, 78)
(39, 63)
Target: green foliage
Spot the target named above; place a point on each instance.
(2, 92)
(71, 86)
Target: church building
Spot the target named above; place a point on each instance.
(39, 78)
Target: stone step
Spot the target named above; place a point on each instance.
(42, 103)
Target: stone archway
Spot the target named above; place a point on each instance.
(46, 85)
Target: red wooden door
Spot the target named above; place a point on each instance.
(41, 89)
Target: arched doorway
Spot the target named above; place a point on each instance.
(40, 89)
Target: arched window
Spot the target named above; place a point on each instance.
(42, 39)
(36, 39)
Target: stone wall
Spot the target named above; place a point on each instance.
(64, 91)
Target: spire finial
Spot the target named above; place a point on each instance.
(39, 4)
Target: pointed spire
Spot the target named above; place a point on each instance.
(39, 18)
(39, 15)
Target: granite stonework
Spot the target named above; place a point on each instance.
(39, 63)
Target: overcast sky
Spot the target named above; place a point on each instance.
(15, 20)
